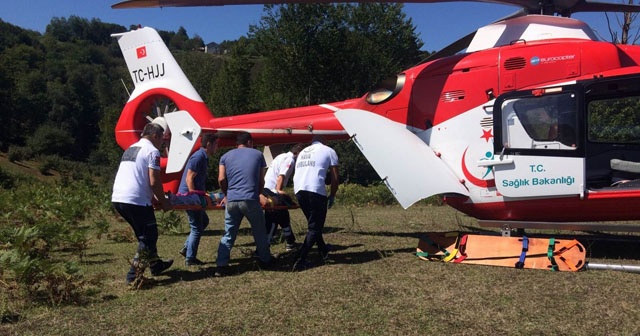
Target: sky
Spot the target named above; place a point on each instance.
(437, 24)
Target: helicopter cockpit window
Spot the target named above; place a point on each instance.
(386, 89)
(615, 120)
(540, 122)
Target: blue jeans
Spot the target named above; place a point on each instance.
(234, 212)
(198, 221)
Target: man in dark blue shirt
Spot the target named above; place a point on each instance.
(194, 180)
(241, 178)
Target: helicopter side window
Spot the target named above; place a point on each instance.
(615, 120)
(541, 122)
(614, 124)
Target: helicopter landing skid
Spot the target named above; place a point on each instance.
(507, 227)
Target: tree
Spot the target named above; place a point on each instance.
(24, 100)
(318, 53)
(230, 85)
(51, 140)
(624, 21)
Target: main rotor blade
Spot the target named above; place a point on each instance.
(548, 7)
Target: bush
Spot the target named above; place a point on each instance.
(375, 194)
(7, 181)
(169, 221)
(26, 263)
(49, 163)
(16, 153)
(50, 140)
(45, 219)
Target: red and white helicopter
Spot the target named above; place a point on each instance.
(531, 126)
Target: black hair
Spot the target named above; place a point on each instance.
(208, 138)
(297, 148)
(152, 129)
(243, 138)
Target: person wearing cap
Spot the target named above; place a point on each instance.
(312, 166)
(194, 181)
(275, 180)
(137, 183)
(241, 178)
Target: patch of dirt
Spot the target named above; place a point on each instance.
(27, 168)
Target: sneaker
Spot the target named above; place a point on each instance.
(270, 263)
(183, 252)
(160, 266)
(193, 262)
(221, 271)
(302, 265)
(325, 255)
(291, 247)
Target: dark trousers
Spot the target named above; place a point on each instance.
(314, 207)
(273, 218)
(142, 220)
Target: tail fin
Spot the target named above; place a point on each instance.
(160, 87)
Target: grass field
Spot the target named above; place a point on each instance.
(374, 286)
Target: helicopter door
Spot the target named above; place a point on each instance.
(537, 145)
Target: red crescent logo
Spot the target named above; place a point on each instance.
(472, 179)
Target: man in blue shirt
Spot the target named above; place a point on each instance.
(241, 178)
(194, 180)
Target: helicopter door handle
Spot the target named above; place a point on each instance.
(487, 163)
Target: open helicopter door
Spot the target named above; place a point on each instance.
(538, 149)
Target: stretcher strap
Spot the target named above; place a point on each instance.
(552, 246)
(565, 248)
(445, 257)
(462, 249)
(523, 254)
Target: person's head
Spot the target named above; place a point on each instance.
(154, 133)
(209, 141)
(244, 139)
(296, 149)
(318, 138)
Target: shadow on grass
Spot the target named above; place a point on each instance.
(609, 247)
(283, 263)
(105, 258)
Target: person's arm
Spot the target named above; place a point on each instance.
(263, 172)
(333, 170)
(279, 184)
(155, 181)
(191, 176)
(222, 179)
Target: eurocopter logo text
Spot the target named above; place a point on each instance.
(535, 60)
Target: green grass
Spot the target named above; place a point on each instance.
(374, 286)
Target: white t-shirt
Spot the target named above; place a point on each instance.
(132, 184)
(311, 168)
(283, 164)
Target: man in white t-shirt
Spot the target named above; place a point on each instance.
(136, 185)
(312, 166)
(275, 180)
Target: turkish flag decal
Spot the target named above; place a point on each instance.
(141, 52)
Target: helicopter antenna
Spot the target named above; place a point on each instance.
(125, 87)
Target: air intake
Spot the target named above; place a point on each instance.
(452, 96)
(515, 63)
